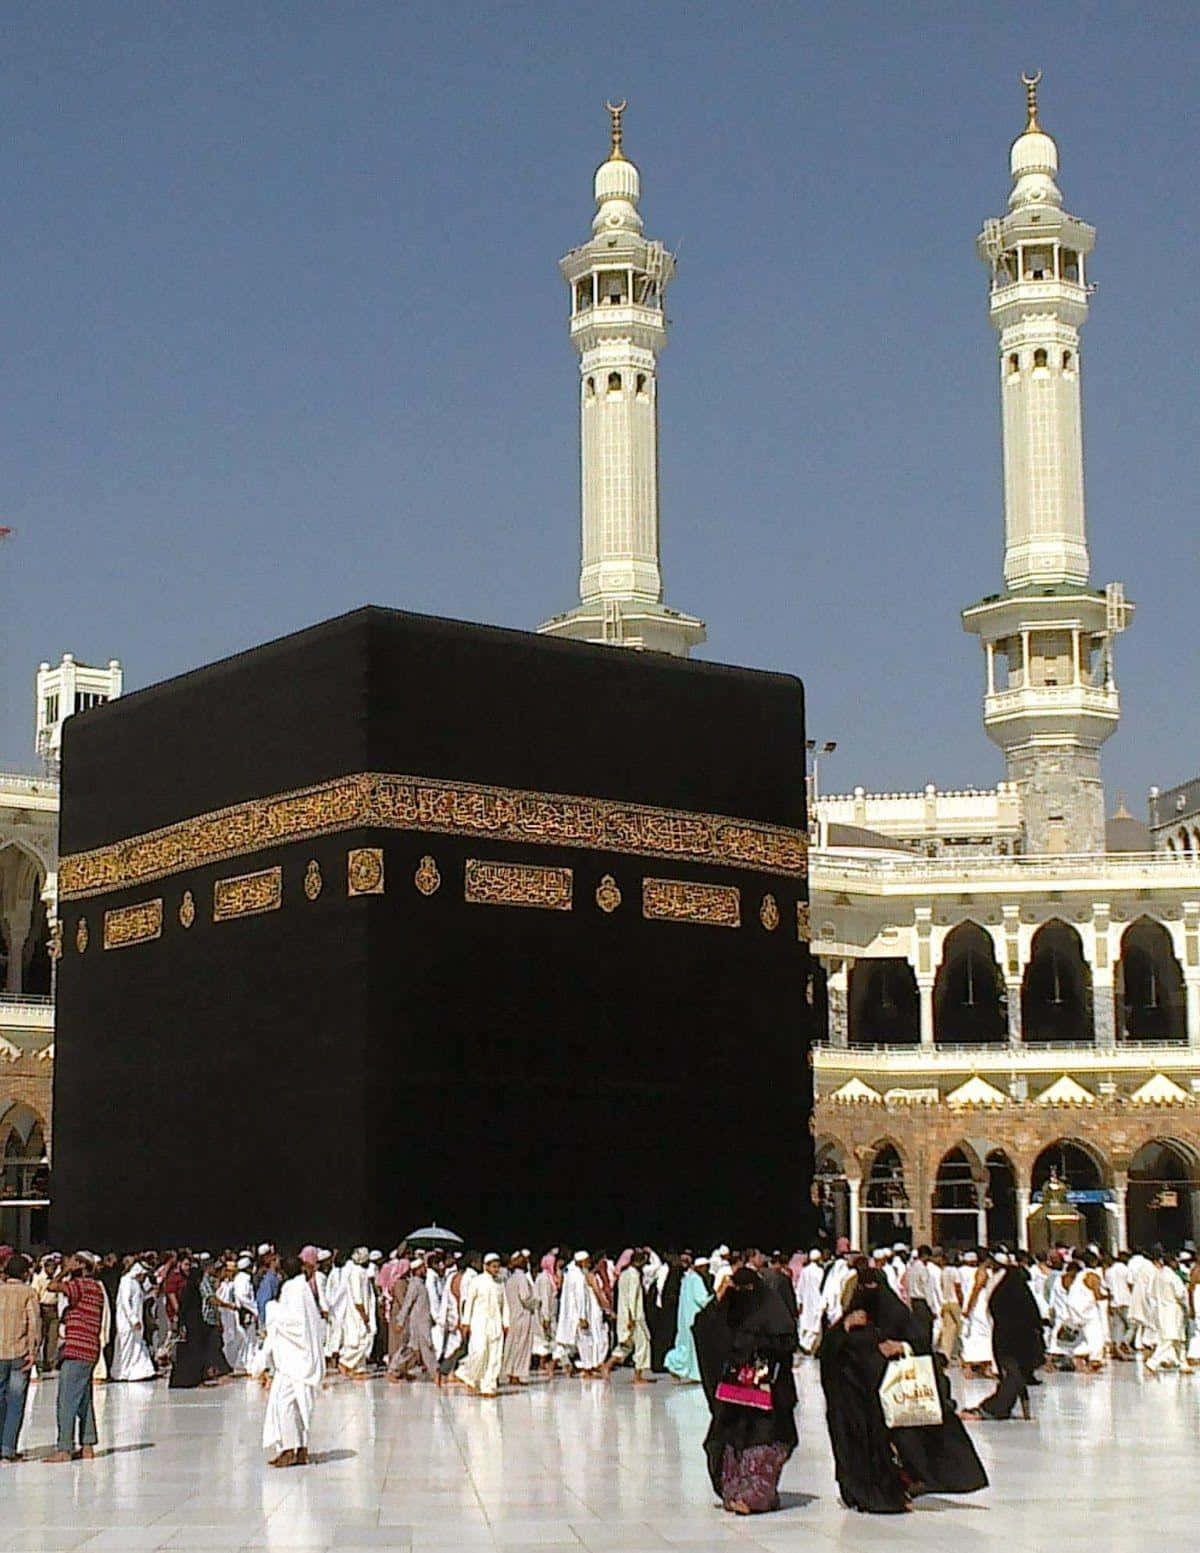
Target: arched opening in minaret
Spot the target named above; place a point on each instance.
(968, 995)
(583, 295)
(1040, 359)
(1014, 364)
(1056, 991)
(1068, 364)
(884, 1006)
(614, 382)
(1149, 993)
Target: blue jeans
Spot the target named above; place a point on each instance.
(14, 1383)
(75, 1402)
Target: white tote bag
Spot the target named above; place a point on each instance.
(908, 1393)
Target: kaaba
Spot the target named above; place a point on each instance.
(400, 919)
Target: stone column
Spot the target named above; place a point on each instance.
(925, 993)
(837, 990)
(1013, 991)
(854, 1228)
(1104, 1014)
(1192, 993)
(1023, 1196)
(981, 1230)
(1121, 1190)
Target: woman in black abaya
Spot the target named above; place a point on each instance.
(1017, 1342)
(747, 1448)
(881, 1469)
(664, 1314)
(190, 1364)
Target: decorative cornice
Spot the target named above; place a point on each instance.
(370, 800)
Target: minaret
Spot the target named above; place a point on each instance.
(1051, 697)
(617, 283)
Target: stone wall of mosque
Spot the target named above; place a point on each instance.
(937, 1173)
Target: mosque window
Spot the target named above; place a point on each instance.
(1014, 363)
(583, 295)
(1068, 362)
(1040, 265)
(641, 384)
(614, 382)
(1040, 359)
(1070, 265)
(590, 388)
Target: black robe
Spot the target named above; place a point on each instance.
(744, 1325)
(938, 1459)
(110, 1277)
(664, 1317)
(191, 1358)
(865, 1464)
(1016, 1322)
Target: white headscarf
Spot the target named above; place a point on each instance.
(294, 1334)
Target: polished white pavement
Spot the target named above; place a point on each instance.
(1109, 1462)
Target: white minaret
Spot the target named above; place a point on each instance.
(1051, 696)
(618, 282)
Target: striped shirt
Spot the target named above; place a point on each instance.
(84, 1317)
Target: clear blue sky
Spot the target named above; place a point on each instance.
(283, 334)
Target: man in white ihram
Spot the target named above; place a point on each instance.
(131, 1356)
(292, 1358)
(581, 1327)
(484, 1321)
(808, 1294)
(358, 1315)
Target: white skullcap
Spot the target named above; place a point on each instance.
(322, 1253)
(360, 1256)
(264, 1248)
(581, 1256)
(203, 1257)
(969, 1256)
(376, 1256)
(701, 1261)
(899, 1246)
(492, 1256)
(880, 1251)
(815, 1254)
(244, 1262)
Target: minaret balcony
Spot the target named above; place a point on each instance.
(1064, 298)
(646, 326)
(1013, 716)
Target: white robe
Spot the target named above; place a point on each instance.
(357, 1334)
(808, 1296)
(581, 1325)
(545, 1292)
(1087, 1314)
(293, 1349)
(131, 1356)
(483, 1312)
(335, 1309)
(977, 1325)
(1193, 1351)
(831, 1290)
(1142, 1314)
(1168, 1297)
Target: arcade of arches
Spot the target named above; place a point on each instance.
(959, 1178)
(1125, 984)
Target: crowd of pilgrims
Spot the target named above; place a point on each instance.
(482, 1324)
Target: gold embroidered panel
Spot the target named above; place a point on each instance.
(364, 871)
(518, 884)
(429, 804)
(681, 900)
(127, 925)
(247, 894)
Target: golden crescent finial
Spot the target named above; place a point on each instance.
(616, 109)
(1030, 83)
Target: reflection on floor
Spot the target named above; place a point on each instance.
(1108, 1462)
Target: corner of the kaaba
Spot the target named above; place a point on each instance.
(402, 919)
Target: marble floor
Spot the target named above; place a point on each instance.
(1108, 1462)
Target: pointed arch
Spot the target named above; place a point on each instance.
(968, 994)
(1056, 989)
(1151, 1002)
(884, 1004)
